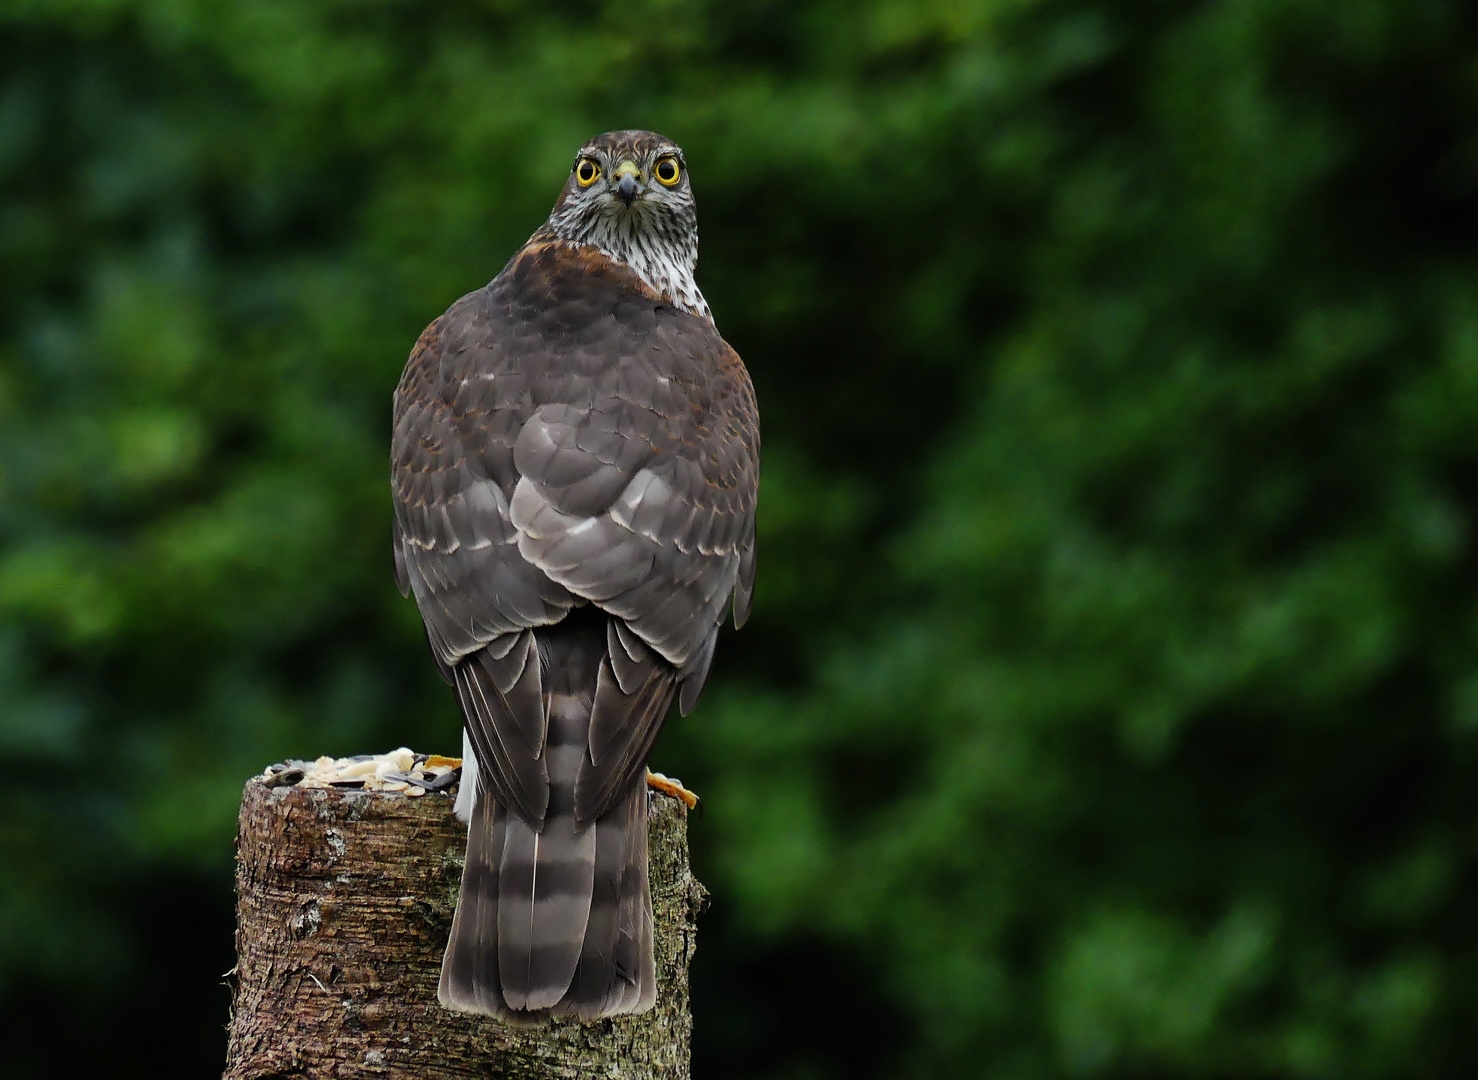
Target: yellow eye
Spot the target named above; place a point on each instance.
(587, 172)
(668, 171)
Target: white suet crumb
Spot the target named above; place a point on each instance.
(400, 770)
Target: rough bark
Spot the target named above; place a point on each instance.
(344, 904)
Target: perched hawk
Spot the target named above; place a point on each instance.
(575, 465)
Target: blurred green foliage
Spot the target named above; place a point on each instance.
(1111, 704)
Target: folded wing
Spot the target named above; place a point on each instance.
(526, 486)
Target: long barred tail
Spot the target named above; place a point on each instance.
(555, 921)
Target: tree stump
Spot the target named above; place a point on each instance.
(344, 904)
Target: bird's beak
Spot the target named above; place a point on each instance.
(627, 181)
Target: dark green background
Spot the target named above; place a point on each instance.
(1110, 706)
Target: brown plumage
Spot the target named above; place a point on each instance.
(575, 465)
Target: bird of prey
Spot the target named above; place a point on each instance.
(575, 464)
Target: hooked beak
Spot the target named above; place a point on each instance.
(627, 181)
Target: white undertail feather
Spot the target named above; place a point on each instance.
(463, 806)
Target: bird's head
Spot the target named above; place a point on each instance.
(628, 194)
(635, 180)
